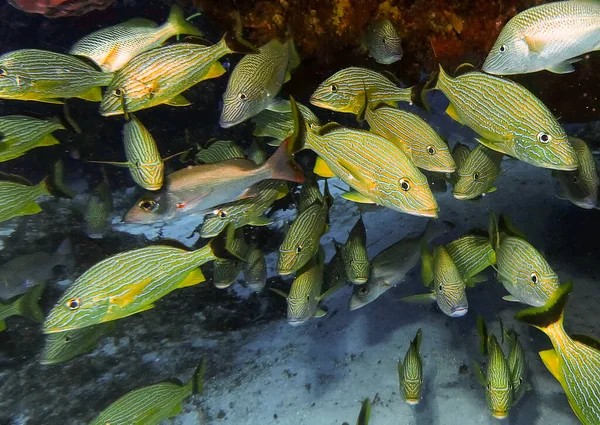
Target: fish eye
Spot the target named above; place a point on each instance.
(488, 386)
(440, 288)
(430, 150)
(118, 92)
(543, 137)
(535, 278)
(333, 88)
(308, 298)
(242, 96)
(222, 214)
(74, 303)
(363, 290)
(503, 48)
(298, 249)
(147, 205)
(575, 179)
(475, 175)
(3, 72)
(405, 185)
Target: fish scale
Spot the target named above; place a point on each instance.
(354, 254)
(411, 372)
(160, 269)
(145, 163)
(580, 186)
(19, 134)
(500, 391)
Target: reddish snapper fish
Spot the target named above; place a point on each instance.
(196, 190)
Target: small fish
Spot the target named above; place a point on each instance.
(410, 372)
(301, 242)
(112, 47)
(18, 199)
(257, 154)
(375, 168)
(26, 305)
(365, 413)
(280, 125)
(383, 42)
(517, 363)
(19, 134)
(549, 36)
(414, 136)
(574, 360)
(64, 346)
(255, 270)
(460, 153)
(521, 268)
(390, 266)
(334, 275)
(200, 188)
(497, 380)
(471, 253)
(477, 174)
(354, 253)
(248, 211)
(126, 283)
(226, 270)
(43, 76)
(98, 210)
(342, 92)
(218, 151)
(160, 75)
(256, 80)
(523, 127)
(309, 193)
(150, 405)
(24, 272)
(580, 186)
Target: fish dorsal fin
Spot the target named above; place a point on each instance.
(140, 23)
(298, 136)
(328, 128)
(360, 116)
(479, 374)
(417, 340)
(173, 243)
(390, 76)
(483, 335)
(14, 178)
(493, 231)
(587, 340)
(464, 68)
(509, 228)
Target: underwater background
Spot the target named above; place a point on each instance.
(261, 370)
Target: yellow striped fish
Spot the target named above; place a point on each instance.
(377, 170)
(17, 199)
(112, 47)
(304, 297)
(150, 405)
(549, 36)
(309, 193)
(343, 91)
(410, 372)
(19, 134)
(226, 270)
(125, 284)
(255, 270)
(414, 136)
(460, 154)
(280, 125)
(497, 380)
(160, 75)
(247, 211)
(31, 74)
(580, 186)
(471, 254)
(354, 254)
(256, 80)
(477, 174)
(98, 210)
(64, 346)
(219, 150)
(26, 305)
(517, 363)
(383, 42)
(521, 268)
(301, 241)
(522, 127)
(574, 361)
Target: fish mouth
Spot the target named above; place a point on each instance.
(226, 124)
(462, 196)
(499, 415)
(424, 213)
(443, 170)
(458, 311)
(564, 167)
(360, 281)
(296, 322)
(412, 401)
(284, 272)
(319, 103)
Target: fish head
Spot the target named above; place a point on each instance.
(123, 90)
(545, 144)
(451, 298)
(411, 194)
(302, 305)
(510, 55)
(499, 390)
(150, 208)
(150, 176)
(359, 270)
(384, 43)
(434, 156)
(294, 252)
(242, 101)
(226, 272)
(13, 82)
(472, 182)
(215, 222)
(337, 94)
(362, 295)
(580, 190)
(76, 309)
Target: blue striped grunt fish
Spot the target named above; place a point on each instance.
(410, 372)
(472, 253)
(43, 76)
(26, 306)
(17, 199)
(517, 363)
(198, 189)
(343, 91)
(476, 176)
(152, 404)
(255, 270)
(580, 186)
(219, 150)
(354, 254)
(522, 270)
(375, 168)
(413, 135)
(549, 36)
(226, 270)
(460, 153)
(256, 80)
(63, 346)
(112, 47)
(522, 127)
(19, 134)
(279, 125)
(383, 42)
(160, 75)
(126, 283)
(574, 360)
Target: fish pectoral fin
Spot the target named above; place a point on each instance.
(320, 312)
(357, 197)
(176, 410)
(473, 280)
(492, 189)
(52, 101)
(178, 100)
(550, 359)
(216, 70)
(479, 373)
(322, 169)
(419, 298)
(31, 208)
(561, 68)
(129, 296)
(451, 111)
(283, 192)
(115, 163)
(49, 140)
(511, 298)
(195, 277)
(261, 220)
(93, 95)
(279, 105)
(498, 147)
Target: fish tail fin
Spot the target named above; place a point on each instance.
(196, 383)
(177, 24)
(294, 56)
(54, 184)
(234, 40)
(416, 342)
(28, 307)
(282, 165)
(550, 313)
